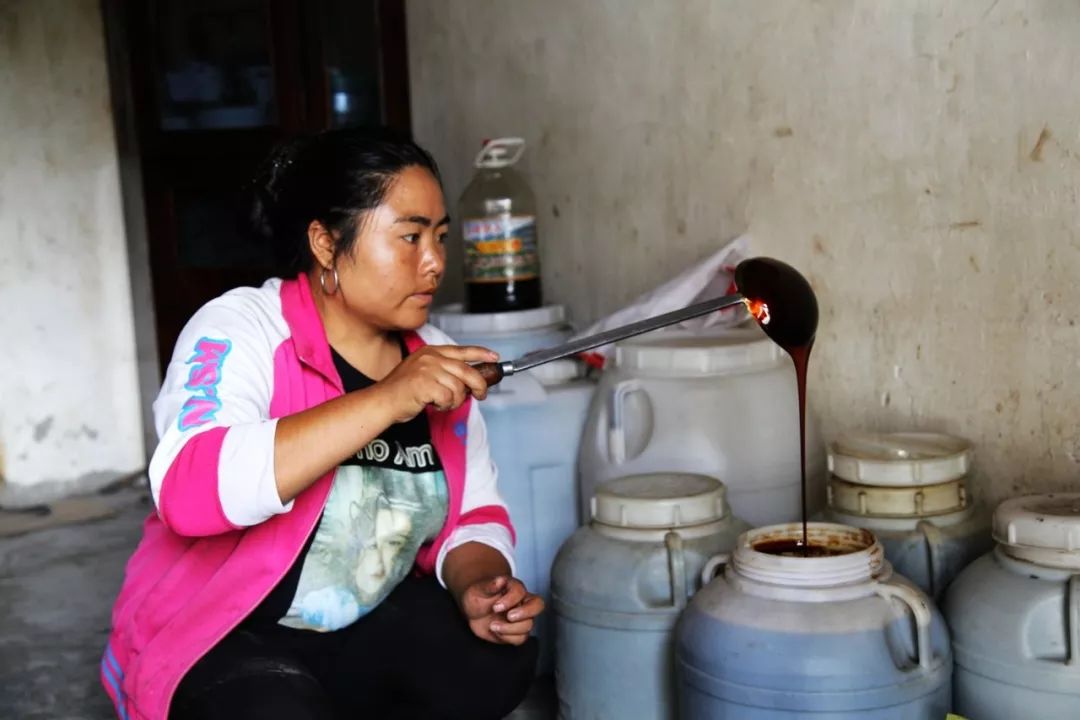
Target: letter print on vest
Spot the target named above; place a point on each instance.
(207, 363)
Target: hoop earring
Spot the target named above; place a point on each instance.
(322, 281)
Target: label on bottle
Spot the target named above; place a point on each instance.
(501, 248)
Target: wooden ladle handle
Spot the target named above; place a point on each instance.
(491, 372)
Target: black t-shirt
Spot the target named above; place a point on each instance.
(386, 501)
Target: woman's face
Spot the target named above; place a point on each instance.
(397, 262)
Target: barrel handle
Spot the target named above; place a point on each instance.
(919, 609)
(935, 541)
(617, 420)
(676, 568)
(1074, 621)
(712, 566)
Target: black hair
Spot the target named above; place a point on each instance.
(334, 177)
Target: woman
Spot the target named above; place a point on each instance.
(328, 540)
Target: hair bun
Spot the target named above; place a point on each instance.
(274, 172)
(268, 189)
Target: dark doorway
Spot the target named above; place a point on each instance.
(209, 86)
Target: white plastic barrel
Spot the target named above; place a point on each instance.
(534, 423)
(837, 638)
(911, 491)
(619, 585)
(722, 403)
(1015, 615)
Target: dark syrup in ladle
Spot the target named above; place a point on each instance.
(784, 305)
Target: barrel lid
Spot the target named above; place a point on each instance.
(453, 320)
(660, 500)
(899, 459)
(1044, 529)
(557, 372)
(713, 351)
(897, 502)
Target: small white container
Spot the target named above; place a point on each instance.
(910, 490)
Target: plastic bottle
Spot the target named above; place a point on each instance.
(498, 226)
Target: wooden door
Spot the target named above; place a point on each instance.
(214, 85)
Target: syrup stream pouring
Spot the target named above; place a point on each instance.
(783, 303)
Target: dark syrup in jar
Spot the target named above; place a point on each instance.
(795, 548)
(784, 305)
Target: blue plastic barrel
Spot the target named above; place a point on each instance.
(619, 585)
(1015, 615)
(838, 638)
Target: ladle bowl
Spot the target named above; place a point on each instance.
(781, 299)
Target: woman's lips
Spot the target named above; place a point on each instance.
(423, 297)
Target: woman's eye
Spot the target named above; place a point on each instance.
(442, 238)
(412, 238)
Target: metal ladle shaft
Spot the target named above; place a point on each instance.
(495, 371)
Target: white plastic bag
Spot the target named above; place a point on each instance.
(712, 277)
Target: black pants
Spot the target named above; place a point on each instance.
(412, 657)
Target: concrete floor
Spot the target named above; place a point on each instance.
(57, 587)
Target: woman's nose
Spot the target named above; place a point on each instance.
(434, 260)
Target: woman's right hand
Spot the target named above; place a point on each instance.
(438, 375)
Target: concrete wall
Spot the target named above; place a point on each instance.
(920, 161)
(69, 401)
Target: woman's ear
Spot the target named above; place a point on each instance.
(322, 244)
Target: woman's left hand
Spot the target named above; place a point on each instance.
(500, 610)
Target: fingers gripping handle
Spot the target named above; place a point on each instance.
(493, 372)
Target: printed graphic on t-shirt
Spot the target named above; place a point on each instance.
(376, 519)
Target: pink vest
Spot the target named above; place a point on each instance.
(181, 595)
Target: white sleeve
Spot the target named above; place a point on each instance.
(213, 469)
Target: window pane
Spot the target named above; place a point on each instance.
(213, 64)
(350, 41)
(213, 233)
